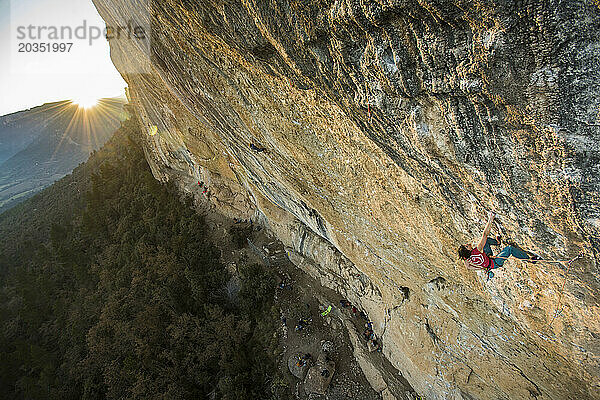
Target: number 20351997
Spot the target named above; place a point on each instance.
(45, 47)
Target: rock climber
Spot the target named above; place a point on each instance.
(480, 257)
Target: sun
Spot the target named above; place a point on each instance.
(85, 101)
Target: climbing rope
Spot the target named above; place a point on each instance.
(557, 312)
(568, 263)
(532, 260)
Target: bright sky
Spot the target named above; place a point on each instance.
(28, 79)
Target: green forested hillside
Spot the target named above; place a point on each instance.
(111, 289)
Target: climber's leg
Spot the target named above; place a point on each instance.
(489, 242)
(507, 252)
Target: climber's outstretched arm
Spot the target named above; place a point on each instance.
(486, 232)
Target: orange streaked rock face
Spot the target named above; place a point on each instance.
(391, 129)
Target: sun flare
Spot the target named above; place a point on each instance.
(86, 102)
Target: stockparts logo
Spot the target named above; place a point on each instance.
(42, 35)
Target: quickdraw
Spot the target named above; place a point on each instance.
(557, 312)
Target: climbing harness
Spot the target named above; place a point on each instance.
(557, 312)
(327, 311)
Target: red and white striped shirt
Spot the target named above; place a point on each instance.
(479, 260)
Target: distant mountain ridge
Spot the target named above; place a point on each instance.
(41, 145)
(19, 129)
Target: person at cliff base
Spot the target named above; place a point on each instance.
(480, 257)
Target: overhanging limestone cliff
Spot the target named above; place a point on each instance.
(391, 128)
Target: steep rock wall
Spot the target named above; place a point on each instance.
(392, 127)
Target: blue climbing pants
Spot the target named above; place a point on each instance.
(489, 242)
(507, 252)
